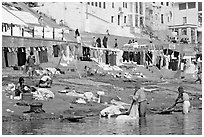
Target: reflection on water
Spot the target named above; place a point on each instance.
(176, 123)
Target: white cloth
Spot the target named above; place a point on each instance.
(45, 78)
(43, 94)
(186, 107)
(111, 110)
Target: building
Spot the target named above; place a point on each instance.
(187, 21)
(158, 15)
(116, 18)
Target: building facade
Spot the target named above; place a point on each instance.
(159, 15)
(115, 18)
(187, 21)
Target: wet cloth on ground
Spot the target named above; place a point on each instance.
(43, 94)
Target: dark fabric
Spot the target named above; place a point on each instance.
(105, 39)
(158, 62)
(138, 58)
(56, 50)
(165, 51)
(107, 57)
(176, 54)
(131, 56)
(125, 56)
(199, 56)
(3, 59)
(170, 52)
(21, 56)
(98, 42)
(43, 56)
(174, 64)
(112, 59)
(134, 57)
(141, 58)
(5, 55)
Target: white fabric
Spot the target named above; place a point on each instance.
(111, 110)
(186, 107)
(89, 96)
(191, 69)
(43, 94)
(45, 78)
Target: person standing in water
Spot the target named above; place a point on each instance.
(140, 102)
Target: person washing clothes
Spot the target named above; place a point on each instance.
(140, 99)
(183, 97)
(45, 81)
(21, 87)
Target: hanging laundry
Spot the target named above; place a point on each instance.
(56, 50)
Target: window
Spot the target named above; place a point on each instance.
(96, 4)
(182, 6)
(191, 5)
(99, 4)
(141, 9)
(124, 4)
(104, 5)
(136, 21)
(88, 3)
(184, 20)
(112, 4)
(153, 2)
(199, 6)
(92, 3)
(167, 4)
(136, 7)
(184, 31)
(112, 19)
(125, 19)
(162, 18)
(118, 19)
(162, 3)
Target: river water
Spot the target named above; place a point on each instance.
(176, 123)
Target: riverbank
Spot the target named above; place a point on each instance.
(163, 95)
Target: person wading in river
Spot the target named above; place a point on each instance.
(141, 99)
(183, 98)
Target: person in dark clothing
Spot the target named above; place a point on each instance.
(105, 39)
(98, 42)
(77, 33)
(21, 87)
(199, 75)
(116, 44)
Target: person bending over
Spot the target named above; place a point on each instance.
(45, 81)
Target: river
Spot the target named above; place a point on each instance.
(173, 124)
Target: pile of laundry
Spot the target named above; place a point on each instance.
(43, 94)
(83, 98)
(38, 93)
(110, 68)
(50, 71)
